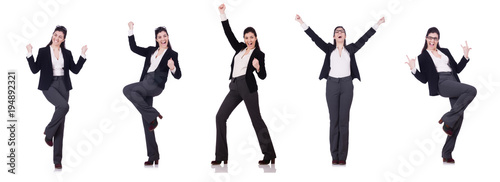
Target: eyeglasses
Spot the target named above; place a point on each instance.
(339, 31)
(432, 38)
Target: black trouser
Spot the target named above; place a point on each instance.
(238, 91)
(141, 95)
(58, 96)
(460, 95)
(339, 94)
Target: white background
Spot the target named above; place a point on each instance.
(393, 127)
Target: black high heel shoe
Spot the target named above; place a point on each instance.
(150, 163)
(218, 162)
(265, 162)
(49, 142)
(154, 124)
(447, 129)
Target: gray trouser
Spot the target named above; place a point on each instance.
(339, 94)
(141, 95)
(58, 96)
(238, 91)
(460, 95)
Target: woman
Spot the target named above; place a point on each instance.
(339, 68)
(243, 87)
(55, 61)
(160, 60)
(439, 69)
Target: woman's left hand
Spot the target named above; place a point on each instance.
(256, 64)
(382, 20)
(466, 50)
(84, 49)
(171, 64)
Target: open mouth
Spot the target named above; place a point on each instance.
(340, 36)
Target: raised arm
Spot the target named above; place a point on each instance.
(34, 66)
(420, 76)
(131, 41)
(315, 38)
(361, 42)
(75, 68)
(465, 59)
(227, 29)
(173, 65)
(259, 64)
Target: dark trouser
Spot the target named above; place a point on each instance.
(238, 91)
(58, 96)
(141, 95)
(460, 95)
(339, 94)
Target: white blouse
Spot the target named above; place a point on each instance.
(442, 64)
(340, 64)
(241, 63)
(155, 60)
(57, 64)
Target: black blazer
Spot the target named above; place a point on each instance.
(238, 46)
(161, 73)
(44, 63)
(328, 49)
(428, 72)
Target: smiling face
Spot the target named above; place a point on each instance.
(339, 35)
(57, 38)
(162, 39)
(250, 40)
(432, 41)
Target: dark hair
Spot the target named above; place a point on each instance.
(64, 31)
(251, 29)
(335, 42)
(162, 29)
(431, 30)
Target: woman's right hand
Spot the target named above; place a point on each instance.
(131, 25)
(222, 9)
(299, 19)
(411, 62)
(29, 48)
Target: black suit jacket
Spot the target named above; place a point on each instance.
(328, 49)
(161, 73)
(428, 72)
(238, 46)
(44, 63)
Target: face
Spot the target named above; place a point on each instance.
(250, 40)
(162, 39)
(339, 35)
(57, 38)
(432, 41)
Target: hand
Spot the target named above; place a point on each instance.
(222, 9)
(29, 48)
(411, 62)
(170, 64)
(256, 64)
(84, 49)
(382, 20)
(466, 50)
(131, 25)
(299, 19)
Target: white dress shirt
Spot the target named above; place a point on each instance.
(440, 63)
(57, 64)
(155, 60)
(340, 64)
(241, 63)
